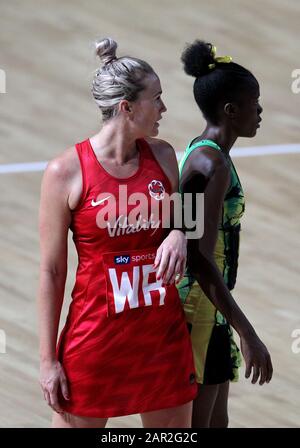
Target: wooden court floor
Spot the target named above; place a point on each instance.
(47, 57)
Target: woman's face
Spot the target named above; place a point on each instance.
(148, 108)
(248, 114)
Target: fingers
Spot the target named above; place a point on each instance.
(267, 371)
(46, 396)
(258, 361)
(158, 257)
(248, 369)
(54, 401)
(263, 374)
(176, 273)
(170, 270)
(262, 370)
(270, 369)
(50, 392)
(64, 387)
(162, 265)
(169, 256)
(171, 265)
(181, 271)
(255, 376)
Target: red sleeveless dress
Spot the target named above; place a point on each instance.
(125, 346)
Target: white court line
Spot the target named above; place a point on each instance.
(22, 167)
(251, 151)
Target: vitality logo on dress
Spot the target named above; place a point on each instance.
(156, 190)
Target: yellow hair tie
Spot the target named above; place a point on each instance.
(224, 59)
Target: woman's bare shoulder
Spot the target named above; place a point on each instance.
(207, 161)
(65, 166)
(63, 179)
(166, 157)
(161, 148)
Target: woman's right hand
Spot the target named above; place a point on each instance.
(256, 357)
(52, 376)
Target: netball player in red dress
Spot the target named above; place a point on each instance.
(125, 347)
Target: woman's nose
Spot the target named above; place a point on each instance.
(163, 107)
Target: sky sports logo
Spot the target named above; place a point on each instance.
(122, 259)
(126, 259)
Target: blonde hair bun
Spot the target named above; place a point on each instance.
(106, 50)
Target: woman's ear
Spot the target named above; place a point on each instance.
(230, 110)
(125, 106)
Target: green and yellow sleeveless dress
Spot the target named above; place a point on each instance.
(216, 356)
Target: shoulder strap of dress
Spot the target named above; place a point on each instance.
(81, 149)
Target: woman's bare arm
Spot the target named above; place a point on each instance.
(54, 222)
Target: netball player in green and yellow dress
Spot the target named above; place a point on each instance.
(228, 97)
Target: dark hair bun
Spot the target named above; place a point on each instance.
(196, 58)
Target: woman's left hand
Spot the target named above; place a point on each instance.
(257, 359)
(171, 257)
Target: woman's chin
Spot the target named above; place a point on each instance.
(249, 134)
(154, 132)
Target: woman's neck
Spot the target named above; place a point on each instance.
(115, 142)
(224, 137)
